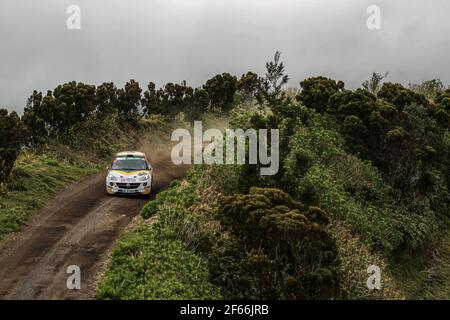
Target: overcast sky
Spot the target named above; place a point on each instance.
(174, 40)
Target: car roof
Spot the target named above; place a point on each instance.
(130, 154)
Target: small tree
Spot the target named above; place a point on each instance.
(317, 91)
(373, 85)
(429, 88)
(129, 102)
(33, 117)
(12, 137)
(59, 110)
(106, 99)
(221, 89)
(270, 91)
(400, 96)
(248, 85)
(442, 112)
(174, 98)
(197, 104)
(150, 101)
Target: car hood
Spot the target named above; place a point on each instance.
(128, 176)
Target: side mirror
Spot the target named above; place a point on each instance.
(108, 168)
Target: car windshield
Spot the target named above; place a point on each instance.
(129, 164)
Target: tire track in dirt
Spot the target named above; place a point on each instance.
(78, 227)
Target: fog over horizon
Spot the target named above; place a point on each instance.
(174, 40)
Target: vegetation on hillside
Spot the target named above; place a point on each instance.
(364, 180)
(79, 126)
(12, 136)
(371, 164)
(36, 179)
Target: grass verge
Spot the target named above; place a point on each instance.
(35, 180)
(156, 259)
(426, 275)
(146, 264)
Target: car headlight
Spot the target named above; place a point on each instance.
(144, 177)
(112, 178)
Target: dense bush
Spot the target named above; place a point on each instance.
(129, 102)
(400, 96)
(363, 121)
(442, 112)
(318, 170)
(176, 98)
(74, 102)
(68, 106)
(150, 209)
(221, 89)
(377, 160)
(12, 137)
(168, 100)
(61, 108)
(71, 104)
(275, 248)
(397, 133)
(99, 137)
(429, 88)
(248, 85)
(405, 149)
(316, 92)
(106, 100)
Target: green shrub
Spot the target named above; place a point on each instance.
(248, 85)
(429, 88)
(65, 110)
(106, 100)
(147, 265)
(221, 89)
(400, 96)
(442, 112)
(316, 92)
(129, 102)
(275, 248)
(12, 137)
(150, 209)
(270, 93)
(60, 109)
(175, 98)
(372, 221)
(355, 257)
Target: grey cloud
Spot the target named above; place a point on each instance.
(174, 40)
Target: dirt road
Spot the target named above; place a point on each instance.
(78, 227)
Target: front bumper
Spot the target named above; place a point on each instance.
(132, 188)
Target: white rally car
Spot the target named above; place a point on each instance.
(130, 173)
